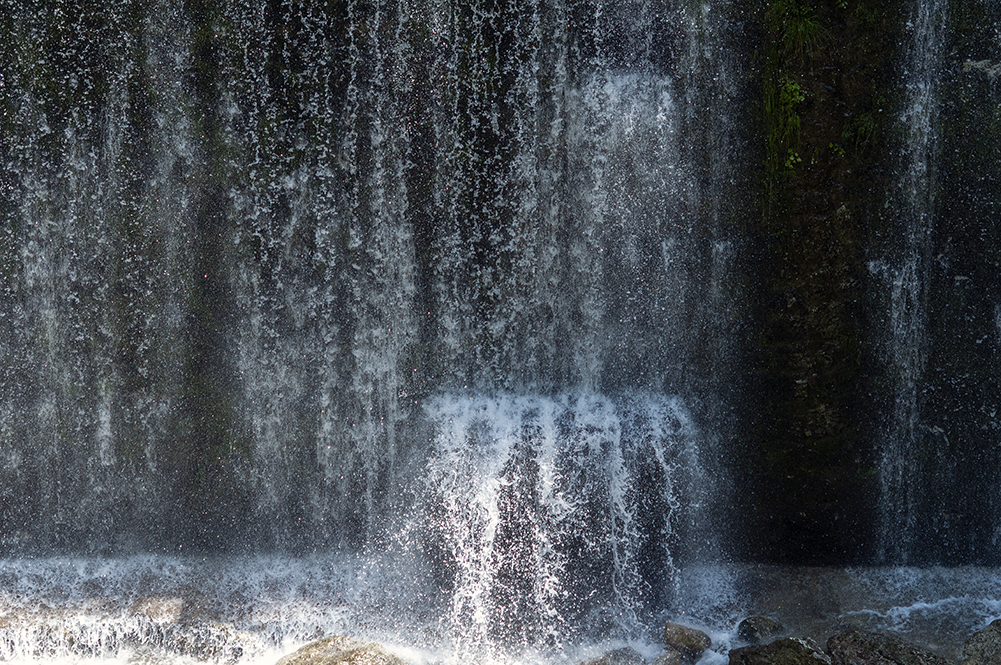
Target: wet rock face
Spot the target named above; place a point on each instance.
(984, 646)
(670, 657)
(626, 656)
(810, 461)
(756, 630)
(856, 647)
(788, 651)
(340, 650)
(689, 642)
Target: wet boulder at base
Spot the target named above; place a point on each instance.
(341, 650)
(788, 651)
(755, 630)
(671, 656)
(624, 656)
(629, 656)
(984, 646)
(856, 647)
(689, 642)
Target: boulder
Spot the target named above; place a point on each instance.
(689, 642)
(756, 630)
(984, 646)
(625, 656)
(340, 650)
(788, 651)
(857, 647)
(671, 656)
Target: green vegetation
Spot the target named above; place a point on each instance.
(791, 95)
(792, 159)
(795, 33)
(797, 25)
(781, 103)
(860, 130)
(823, 80)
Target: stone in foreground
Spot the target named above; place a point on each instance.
(626, 656)
(984, 646)
(789, 651)
(857, 647)
(340, 650)
(755, 630)
(671, 656)
(688, 641)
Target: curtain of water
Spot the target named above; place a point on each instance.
(97, 267)
(908, 278)
(965, 394)
(940, 455)
(249, 242)
(559, 513)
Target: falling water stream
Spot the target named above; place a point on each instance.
(909, 280)
(399, 320)
(420, 322)
(939, 467)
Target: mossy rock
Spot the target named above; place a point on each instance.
(671, 656)
(756, 630)
(625, 656)
(856, 647)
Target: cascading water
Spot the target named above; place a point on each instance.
(427, 323)
(908, 281)
(940, 466)
(544, 503)
(434, 298)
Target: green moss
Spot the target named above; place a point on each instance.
(793, 33)
(787, 123)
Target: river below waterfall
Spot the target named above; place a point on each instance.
(176, 609)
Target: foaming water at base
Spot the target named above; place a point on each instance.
(159, 610)
(251, 610)
(528, 525)
(155, 609)
(555, 514)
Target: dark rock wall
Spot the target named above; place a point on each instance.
(877, 314)
(827, 83)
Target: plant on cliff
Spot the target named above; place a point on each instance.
(791, 95)
(796, 33)
(797, 24)
(861, 129)
(782, 100)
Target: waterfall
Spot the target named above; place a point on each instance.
(447, 281)
(939, 469)
(908, 279)
(429, 322)
(542, 502)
